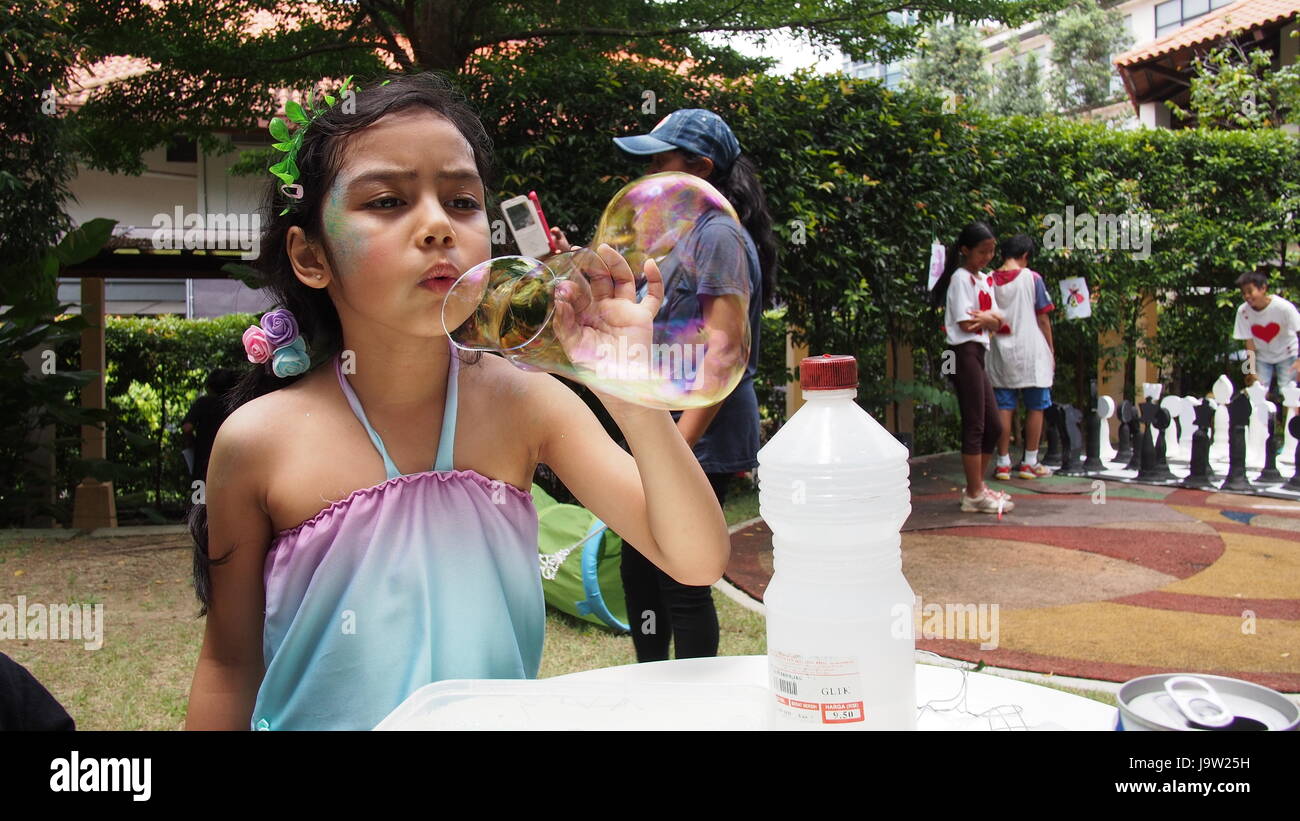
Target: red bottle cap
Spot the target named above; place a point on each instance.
(828, 372)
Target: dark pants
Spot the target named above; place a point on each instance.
(659, 608)
(980, 425)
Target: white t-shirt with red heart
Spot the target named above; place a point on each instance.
(1273, 329)
(967, 292)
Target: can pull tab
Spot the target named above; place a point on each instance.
(1198, 702)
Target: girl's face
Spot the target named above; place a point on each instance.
(674, 161)
(404, 219)
(979, 256)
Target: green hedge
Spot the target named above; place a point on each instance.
(157, 367)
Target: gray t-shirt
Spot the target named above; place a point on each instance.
(709, 262)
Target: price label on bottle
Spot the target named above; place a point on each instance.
(816, 690)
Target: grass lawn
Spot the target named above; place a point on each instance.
(140, 678)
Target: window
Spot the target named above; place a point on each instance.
(1177, 13)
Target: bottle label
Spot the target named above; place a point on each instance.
(817, 690)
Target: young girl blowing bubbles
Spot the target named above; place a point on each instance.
(966, 293)
(357, 541)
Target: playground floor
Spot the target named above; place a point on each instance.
(1093, 579)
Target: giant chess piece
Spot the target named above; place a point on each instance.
(1290, 401)
(1222, 393)
(1097, 428)
(1130, 435)
(1106, 407)
(1256, 431)
(1071, 441)
(1270, 474)
(1052, 421)
(1199, 476)
(1239, 417)
(1151, 467)
(1293, 427)
(1179, 438)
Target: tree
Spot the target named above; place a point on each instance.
(1084, 38)
(1018, 87)
(1233, 89)
(212, 75)
(950, 62)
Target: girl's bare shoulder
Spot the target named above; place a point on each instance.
(264, 421)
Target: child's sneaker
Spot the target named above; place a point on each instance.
(990, 501)
(1037, 471)
(1002, 472)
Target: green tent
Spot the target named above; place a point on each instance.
(580, 562)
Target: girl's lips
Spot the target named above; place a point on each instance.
(438, 284)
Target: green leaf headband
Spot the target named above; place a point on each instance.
(287, 168)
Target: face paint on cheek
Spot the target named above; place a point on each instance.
(345, 239)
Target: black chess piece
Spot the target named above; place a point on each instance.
(1238, 417)
(1199, 475)
(1155, 421)
(1052, 422)
(1294, 425)
(1126, 414)
(1071, 441)
(1270, 474)
(1093, 464)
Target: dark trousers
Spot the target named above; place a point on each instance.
(980, 425)
(660, 609)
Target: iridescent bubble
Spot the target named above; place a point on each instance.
(574, 316)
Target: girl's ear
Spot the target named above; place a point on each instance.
(308, 261)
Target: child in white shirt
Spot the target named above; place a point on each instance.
(969, 317)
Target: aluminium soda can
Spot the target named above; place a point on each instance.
(1194, 701)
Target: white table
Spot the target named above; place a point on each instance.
(498, 704)
(1041, 707)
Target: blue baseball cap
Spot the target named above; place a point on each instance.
(696, 130)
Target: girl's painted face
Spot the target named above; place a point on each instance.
(404, 219)
(979, 256)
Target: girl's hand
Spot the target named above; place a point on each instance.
(598, 321)
(561, 241)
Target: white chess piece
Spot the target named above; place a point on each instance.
(1222, 424)
(1290, 402)
(1178, 440)
(1151, 390)
(1105, 410)
(1256, 431)
(1223, 390)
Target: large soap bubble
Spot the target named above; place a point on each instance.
(570, 316)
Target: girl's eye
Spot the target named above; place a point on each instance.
(465, 203)
(382, 199)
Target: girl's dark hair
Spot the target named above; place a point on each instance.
(319, 160)
(741, 186)
(970, 236)
(1021, 245)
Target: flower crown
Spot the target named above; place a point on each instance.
(287, 168)
(277, 343)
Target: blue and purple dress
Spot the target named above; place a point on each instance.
(426, 576)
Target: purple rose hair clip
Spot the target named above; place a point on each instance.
(278, 344)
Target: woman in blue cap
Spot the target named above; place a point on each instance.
(724, 436)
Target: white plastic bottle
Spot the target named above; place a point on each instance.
(833, 487)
